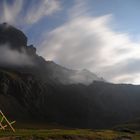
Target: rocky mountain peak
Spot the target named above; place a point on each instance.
(15, 39)
(12, 36)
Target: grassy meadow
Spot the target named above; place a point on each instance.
(40, 131)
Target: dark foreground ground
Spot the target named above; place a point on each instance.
(42, 131)
(69, 134)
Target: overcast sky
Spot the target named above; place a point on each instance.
(100, 35)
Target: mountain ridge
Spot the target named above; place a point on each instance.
(44, 91)
(17, 41)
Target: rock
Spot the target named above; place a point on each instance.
(31, 50)
(11, 35)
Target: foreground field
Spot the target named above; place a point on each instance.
(61, 134)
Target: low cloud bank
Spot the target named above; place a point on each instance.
(11, 57)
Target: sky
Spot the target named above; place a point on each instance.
(102, 36)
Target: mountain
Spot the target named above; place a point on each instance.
(14, 39)
(68, 76)
(44, 91)
(9, 34)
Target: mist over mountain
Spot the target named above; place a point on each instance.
(32, 88)
(14, 52)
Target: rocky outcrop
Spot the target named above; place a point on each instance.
(12, 36)
(15, 39)
(31, 50)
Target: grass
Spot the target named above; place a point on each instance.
(55, 131)
(43, 131)
(64, 134)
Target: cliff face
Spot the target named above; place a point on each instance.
(12, 36)
(15, 39)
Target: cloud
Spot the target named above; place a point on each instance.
(12, 57)
(44, 8)
(10, 13)
(14, 13)
(79, 8)
(90, 42)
